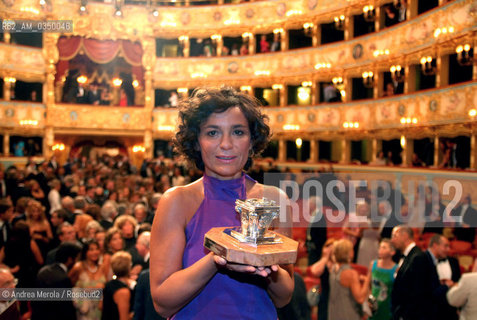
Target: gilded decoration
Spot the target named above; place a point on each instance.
(22, 62)
(326, 121)
(401, 43)
(65, 116)
(22, 115)
(202, 21)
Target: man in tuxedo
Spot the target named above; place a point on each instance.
(448, 273)
(3, 185)
(408, 300)
(94, 95)
(418, 293)
(140, 252)
(66, 233)
(6, 216)
(56, 276)
(465, 230)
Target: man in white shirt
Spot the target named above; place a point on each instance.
(464, 295)
(54, 195)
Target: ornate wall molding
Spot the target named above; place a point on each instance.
(94, 119)
(407, 41)
(438, 112)
(21, 62)
(199, 21)
(22, 116)
(442, 112)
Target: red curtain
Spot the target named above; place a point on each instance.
(99, 51)
(61, 67)
(132, 52)
(69, 47)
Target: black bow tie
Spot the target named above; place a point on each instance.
(442, 260)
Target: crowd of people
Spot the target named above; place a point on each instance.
(85, 224)
(97, 223)
(395, 263)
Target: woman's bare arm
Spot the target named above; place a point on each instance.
(171, 286)
(121, 298)
(281, 280)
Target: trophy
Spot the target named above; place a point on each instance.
(252, 243)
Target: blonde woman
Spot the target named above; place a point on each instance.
(346, 291)
(40, 229)
(117, 292)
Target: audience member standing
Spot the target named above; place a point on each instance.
(40, 229)
(406, 296)
(418, 293)
(264, 45)
(113, 242)
(9, 309)
(94, 95)
(117, 295)
(88, 273)
(6, 216)
(66, 233)
(346, 292)
(381, 272)
(321, 269)
(143, 306)
(464, 296)
(54, 197)
(56, 276)
(244, 50)
(448, 273)
(275, 44)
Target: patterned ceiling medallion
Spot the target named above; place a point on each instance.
(433, 105)
(311, 117)
(312, 4)
(185, 18)
(73, 115)
(9, 113)
(281, 9)
(232, 67)
(401, 110)
(249, 13)
(357, 51)
(217, 16)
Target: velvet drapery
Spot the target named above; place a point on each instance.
(99, 51)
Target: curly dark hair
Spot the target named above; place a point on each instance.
(193, 112)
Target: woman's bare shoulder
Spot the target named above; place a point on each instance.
(180, 201)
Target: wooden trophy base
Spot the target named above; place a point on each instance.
(226, 246)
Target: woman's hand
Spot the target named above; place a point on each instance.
(260, 271)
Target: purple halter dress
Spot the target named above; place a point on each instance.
(228, 295)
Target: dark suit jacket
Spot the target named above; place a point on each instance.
(446, 311)
(405, 298)
(469, 217)
(143, 306)
(417, 292)
(137, 259)
(53, 276)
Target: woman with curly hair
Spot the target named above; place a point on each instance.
(113, 242)
(219, 132)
